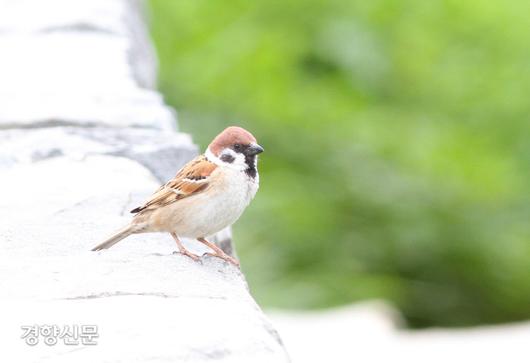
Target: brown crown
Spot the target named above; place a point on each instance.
(230, 136)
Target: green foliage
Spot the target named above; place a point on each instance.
(396, 137)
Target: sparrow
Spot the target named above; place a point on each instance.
(207, 194)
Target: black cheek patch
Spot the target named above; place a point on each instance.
(227, 158)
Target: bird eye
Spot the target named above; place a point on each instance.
(237, 146)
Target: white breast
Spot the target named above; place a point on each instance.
(218, 207)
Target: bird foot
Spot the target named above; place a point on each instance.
(193, 256)
(225, 257)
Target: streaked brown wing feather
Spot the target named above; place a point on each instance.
(190, 180)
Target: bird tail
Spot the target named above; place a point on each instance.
(115, 238)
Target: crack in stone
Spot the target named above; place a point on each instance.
(273, 332)
(77, 204)
(124, 293)
(47, 123)
(78, 27)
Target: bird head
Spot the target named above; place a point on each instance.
(234, 147)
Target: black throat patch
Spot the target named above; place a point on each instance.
(250, 160)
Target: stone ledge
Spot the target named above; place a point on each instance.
(56, 208)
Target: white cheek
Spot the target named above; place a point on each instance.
(237, 164)
(239, 160)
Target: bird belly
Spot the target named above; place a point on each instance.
(214, 209)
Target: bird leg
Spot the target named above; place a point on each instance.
(183, 249)
(219, 252)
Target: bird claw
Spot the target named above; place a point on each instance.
(227, 258)
(193, 256)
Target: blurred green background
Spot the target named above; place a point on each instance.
(397, 142)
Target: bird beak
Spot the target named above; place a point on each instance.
(254, 149)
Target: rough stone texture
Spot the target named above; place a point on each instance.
(163, 153)
(83, 139)
(77, 62)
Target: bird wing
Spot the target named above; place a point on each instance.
(193, 178)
